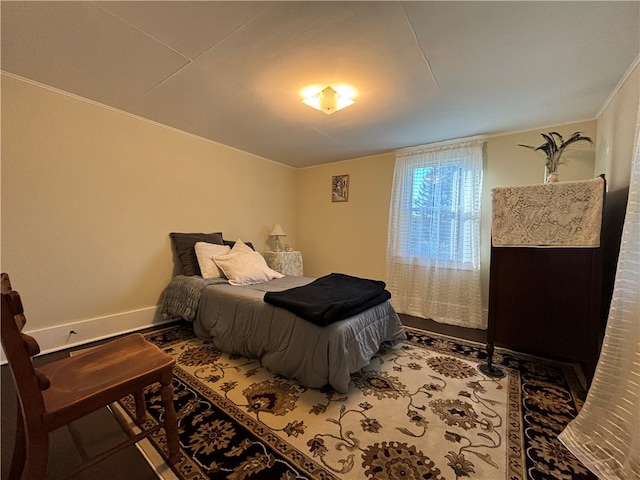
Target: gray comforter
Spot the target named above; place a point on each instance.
(237, 320)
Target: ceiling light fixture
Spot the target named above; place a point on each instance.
(328, 100)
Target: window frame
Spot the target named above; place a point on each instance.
(407, 253)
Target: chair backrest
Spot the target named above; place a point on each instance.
(19, 348)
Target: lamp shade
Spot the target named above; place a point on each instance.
(277, 231)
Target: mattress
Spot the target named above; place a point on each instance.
(237, 320)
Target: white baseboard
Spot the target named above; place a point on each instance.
(59, 337)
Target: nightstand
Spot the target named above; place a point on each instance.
(287, 263)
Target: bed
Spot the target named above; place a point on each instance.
(237, 320)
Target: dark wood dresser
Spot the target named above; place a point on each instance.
(547, 300)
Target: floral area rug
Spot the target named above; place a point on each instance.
(421, 410)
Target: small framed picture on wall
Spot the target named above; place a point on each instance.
(340, 188)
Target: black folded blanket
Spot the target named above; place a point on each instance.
(330, 298)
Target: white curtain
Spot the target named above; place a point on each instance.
(433, 244)
(605, 435)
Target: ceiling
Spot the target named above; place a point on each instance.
(425, 71)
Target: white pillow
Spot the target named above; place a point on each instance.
(243, 266)
(205, 253)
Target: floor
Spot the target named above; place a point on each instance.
(100, 430)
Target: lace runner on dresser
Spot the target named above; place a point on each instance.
(564, 214)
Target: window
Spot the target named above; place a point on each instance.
(437, 207)
(433, 247)
(439, 222)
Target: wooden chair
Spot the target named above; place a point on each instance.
(60, 392)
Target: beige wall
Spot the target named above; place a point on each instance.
(346, 237)
(614, 154)
(89, 196)
(616, 133)
(351, 237)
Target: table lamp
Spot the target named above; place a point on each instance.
(277, 232)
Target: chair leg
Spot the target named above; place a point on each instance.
(37, 446)
(170, 419)
(141, 408)
(19, 449)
